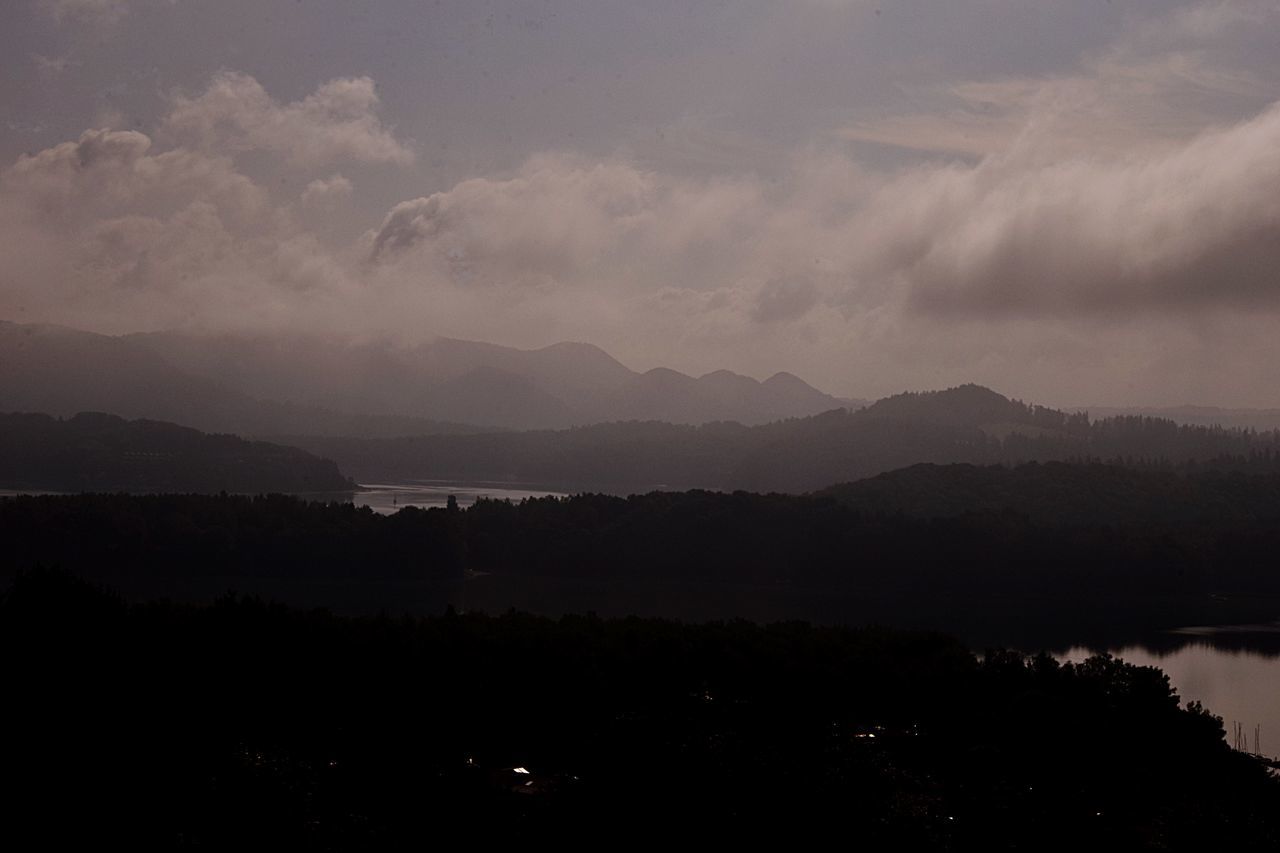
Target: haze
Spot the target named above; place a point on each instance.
(1074, 203)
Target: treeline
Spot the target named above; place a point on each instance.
(842, 557)
(120, 537)
(98, 452)
(963, 425)
(1061, 493)
(160, 725)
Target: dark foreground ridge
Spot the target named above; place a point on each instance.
(244, 723)
(993, 576)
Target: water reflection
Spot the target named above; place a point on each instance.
(1238, 683)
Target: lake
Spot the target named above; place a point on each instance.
(1220, 670)
(387, 498)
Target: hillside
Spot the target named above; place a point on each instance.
(260, 385)
(1003, 576)
(313, 731)
(61, 371)
(93, 452)
(968, 424)
(1066, 494)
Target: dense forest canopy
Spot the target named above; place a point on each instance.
(164, 724)
(850, 556)
(1065, 493)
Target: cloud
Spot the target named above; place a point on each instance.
(784, 299)
(1027, 248)
(52, 66)
(1170, 228)
(1108, 224)
(1156, 83)
(108, 170)
(92, 14)
(104, 232)
(1180, 230)
(1115, 107)
(562, 218)
(336, 122)
(1198, 22)
(325, 193)
(938, 264)
(89, 12)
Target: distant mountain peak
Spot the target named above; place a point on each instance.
(783, 378)
(725, 374)
(577, 348)
(666, 373)
(224, 380)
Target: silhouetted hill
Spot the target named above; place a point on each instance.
(974, 406)
(104, 453)
(964, 425)
(990, 575)
(1060, 493)
(309, 731)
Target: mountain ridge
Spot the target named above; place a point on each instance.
(255, 385)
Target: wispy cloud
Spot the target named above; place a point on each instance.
(94, 12)
(337, 122)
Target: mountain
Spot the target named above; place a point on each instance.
(561, 385)
(722, 395)
(61, 371)
(104, 453)
(263, 385)
(977, 407)
(969, 424)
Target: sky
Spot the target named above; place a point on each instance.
(1072, 203)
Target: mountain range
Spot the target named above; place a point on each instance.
(258, 385)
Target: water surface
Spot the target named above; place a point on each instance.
(1241, 685)
(387, 498)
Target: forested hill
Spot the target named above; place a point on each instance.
(969, 424)
(241, 720)
(1065, 494)
(97, 452)
(983, 574)
(974, 406)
